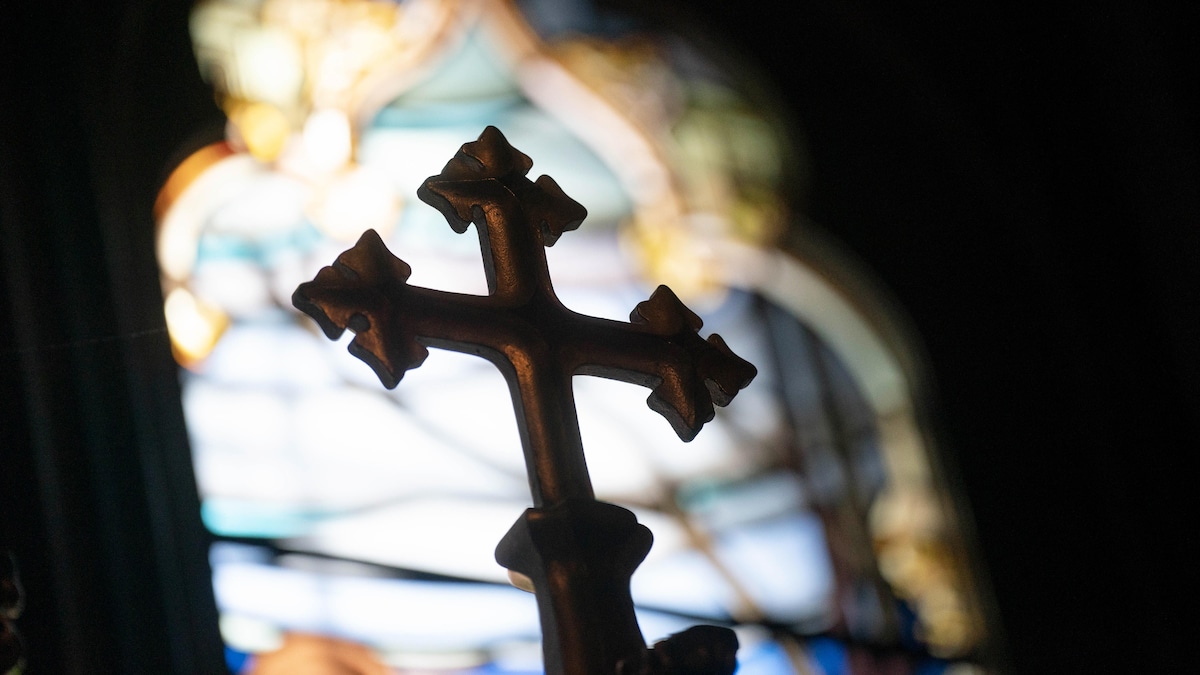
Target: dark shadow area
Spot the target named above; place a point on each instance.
(1026, 183)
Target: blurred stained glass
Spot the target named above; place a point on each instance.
(805, 515)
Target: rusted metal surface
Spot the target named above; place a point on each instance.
(580, 553)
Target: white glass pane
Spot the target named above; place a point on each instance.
(403, 614)
(783, 565)
(445, 536)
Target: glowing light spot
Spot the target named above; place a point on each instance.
(354, 202)
(327, 140)
(269, 67)
(263, 128)
(194, 326)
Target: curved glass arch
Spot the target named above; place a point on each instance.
(332, 499)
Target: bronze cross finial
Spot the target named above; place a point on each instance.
(521, 326)
(539, 345)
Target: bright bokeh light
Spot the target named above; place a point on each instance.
(358, 200)
(327, 141)
(263, 128)
(194, 326)
(270, 66)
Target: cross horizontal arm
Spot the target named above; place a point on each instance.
(366, 290)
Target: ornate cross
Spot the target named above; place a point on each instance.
(578, 552)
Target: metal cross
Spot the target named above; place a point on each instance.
(539, 345)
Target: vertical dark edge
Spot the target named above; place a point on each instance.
(98, 502)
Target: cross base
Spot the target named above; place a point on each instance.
(580, 555)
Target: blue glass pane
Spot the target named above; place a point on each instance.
(238, 662)
(766, 658)
(830, 655)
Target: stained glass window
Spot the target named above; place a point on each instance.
(806, 515)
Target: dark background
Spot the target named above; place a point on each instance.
(1024, 181)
